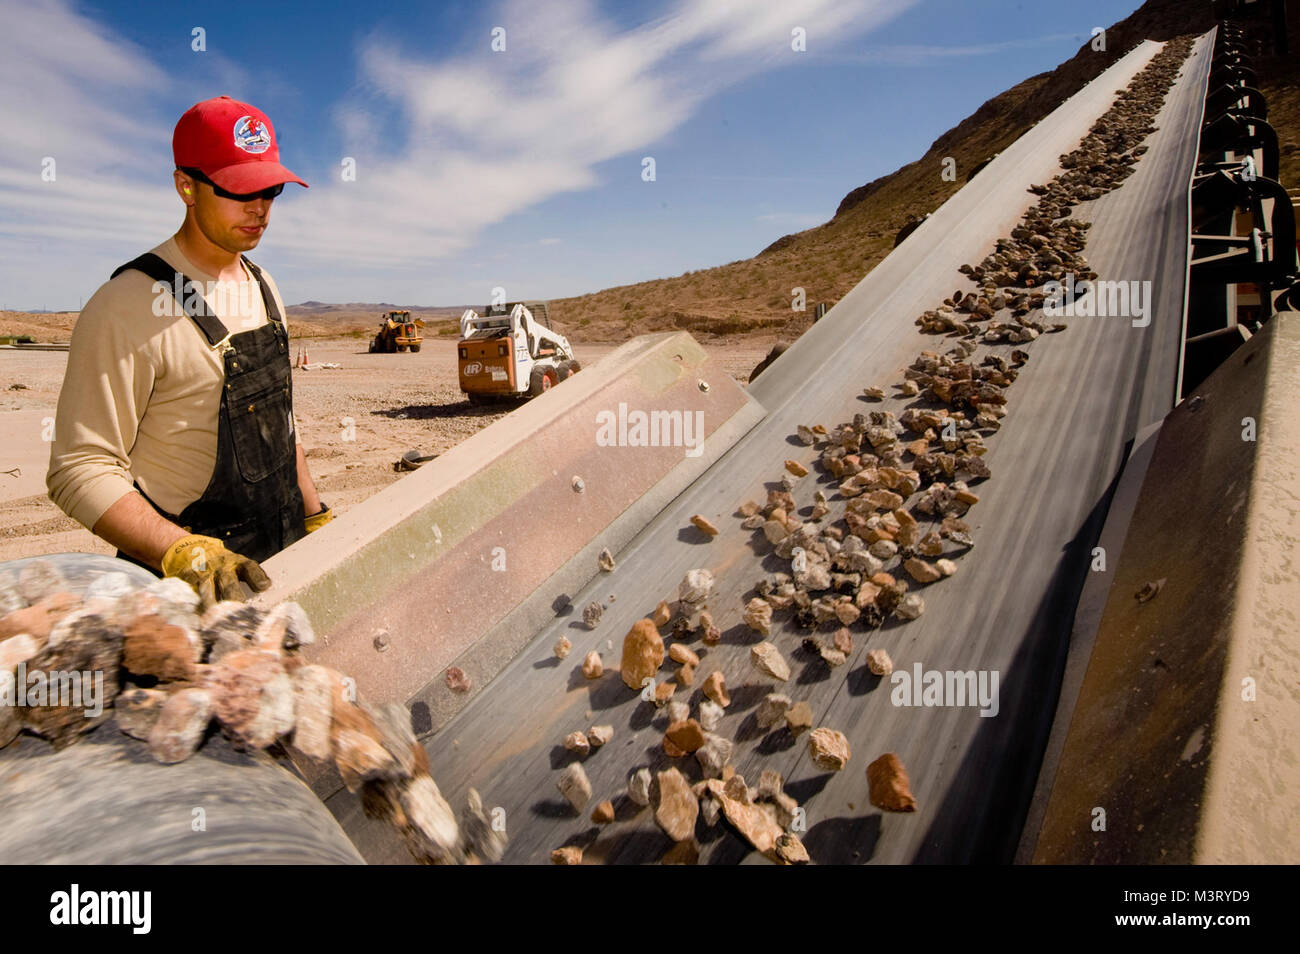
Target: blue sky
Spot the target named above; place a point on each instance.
(477, 168)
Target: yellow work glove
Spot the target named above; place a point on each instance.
(214, 572)
(318, 520)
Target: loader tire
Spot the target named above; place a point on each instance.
(415, 348)
(374, 345)
(542, 379)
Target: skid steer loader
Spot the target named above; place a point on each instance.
(511, 351)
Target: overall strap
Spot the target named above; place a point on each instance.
(158, 269)
(272, 309)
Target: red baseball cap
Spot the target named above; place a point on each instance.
(232, 143)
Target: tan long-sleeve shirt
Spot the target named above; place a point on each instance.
(141, 394)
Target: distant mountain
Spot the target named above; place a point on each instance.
(310, 307)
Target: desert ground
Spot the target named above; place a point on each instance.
(396, 403)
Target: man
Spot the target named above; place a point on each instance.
(174, 438)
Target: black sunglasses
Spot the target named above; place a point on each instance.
(267, 194)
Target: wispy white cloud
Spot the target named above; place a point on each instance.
(926, 55)
(444, 150)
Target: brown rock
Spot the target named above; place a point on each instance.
(680, 652)
(796, 468)
(577, 742)
(592, 667)
(575, 786)
(226, 627)
(879, 663)
(686, 675)
(715, 687)
(734, 787)
(643, 653)
(662, 614)
(252, 696)
(284, 628)
(663, 692)
(921, 571)
(181, 723)
(313, 709)
(767, 659)
(867, 595)
(704, 525)
(81, 642)
(910, 606)
(591, 615)
(844, 640)
(17, 649)
(756, 823)
(829, 749)
(480, 839)
(568, 855)
(758, 616)
(638, 786)
(789, 850)
(847, 613)
(930, 545)
(714, 755)
(772, 710)
(677, 808)
(136, 711)
(562, 647)
(799, 718)
(360, 757)
(686, 735)
(603, 813)
(37, 620)
(457, 680)
(426, 821)
(695, 587)
(392, 722)
(598, 735)
(888, 785)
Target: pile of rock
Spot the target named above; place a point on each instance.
(170, 673)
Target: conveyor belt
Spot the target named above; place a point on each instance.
(1081, 398)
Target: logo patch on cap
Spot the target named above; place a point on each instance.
(251, 135)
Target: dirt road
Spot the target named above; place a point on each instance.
(356, 421)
